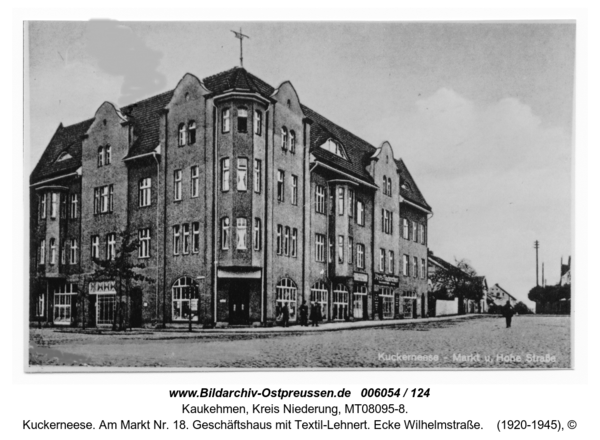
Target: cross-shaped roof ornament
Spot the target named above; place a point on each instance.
(241, 37)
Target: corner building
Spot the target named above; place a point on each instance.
(243, 200)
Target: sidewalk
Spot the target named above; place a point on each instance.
(182, 330)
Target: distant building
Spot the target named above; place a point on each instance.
(498, 296)
(561, 305)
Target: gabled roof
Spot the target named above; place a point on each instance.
(65, 140)
(411, 191)
(145, 116)
(503, 291)
(358, 150)
(441, 262)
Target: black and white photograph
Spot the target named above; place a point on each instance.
(253, 195)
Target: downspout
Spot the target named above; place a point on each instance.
(164, 263)
(157, 227)
(263, 311)
(215, 208)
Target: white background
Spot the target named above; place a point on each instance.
(478, 395)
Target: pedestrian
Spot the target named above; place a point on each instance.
(286, 315)
(319, 314)
(313, 314)
(304, 314)
(508, 311)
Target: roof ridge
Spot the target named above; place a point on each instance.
(146, 99)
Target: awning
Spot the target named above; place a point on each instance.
(229, 273)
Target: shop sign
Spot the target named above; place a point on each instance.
(102, 287)
(361, 277)
(386, 280)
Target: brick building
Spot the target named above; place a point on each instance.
(243, 200)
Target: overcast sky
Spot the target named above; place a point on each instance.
(482, 114)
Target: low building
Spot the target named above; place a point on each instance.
(498, 296)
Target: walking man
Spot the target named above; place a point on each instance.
(304, 314)
(508, 311)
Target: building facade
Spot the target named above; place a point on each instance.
(243, 201)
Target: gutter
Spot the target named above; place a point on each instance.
(64, 176)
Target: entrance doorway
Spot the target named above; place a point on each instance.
(239, 301)
(136, 307)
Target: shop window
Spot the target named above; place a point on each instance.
(319, 295)
(340, 302)
(185, 293)
(286, 294)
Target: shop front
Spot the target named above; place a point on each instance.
(359, 299)
(105, 303)
(384, 289)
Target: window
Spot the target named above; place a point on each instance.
(387, 186)
(191, 132)
(74, 210)
(257, 239)
(360, 213)
(292, 142)
(62, 303)
(42, 254)
(330, 259)
(105, 309)
(279, 243)
(280, 185)
(257, 175)
(195, 180)
(63, 253)
(386, 221)
(103, 199)
(53, 205)
(318, 295)
(340, 302)
(405, 228)
(286, 241)
(100, 156)
(294, 190)
(414, 231)
(335, 148)
(144, 192)
(225, 233)
(405, 265)
(242, 174)
(320, 199)
(242, 120)
(423, 234)
(111, 240)
(63, 206)
(195, 237)
(185, 299)
(422, 268)
(241, 233)
(43, 206)
(107, 155)
(40, 306)
(294, 250)
(95, 246)
(391, 262)
(225, 120)
(258, 123)
(360, 255)
(320, 248)
(73, 254)
(52, 251)
(225, 174)
(144, 248)
(350, 249)
(381, 260)
(176, 240)
(181, 136)
(340, 201)
(63, 156)
(350, 202)
(340, 249)
(185, 228)
(384, 186)
(284, 138)
(177, 176)
(415, 267)
(286, 294)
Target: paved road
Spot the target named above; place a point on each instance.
(532, 342)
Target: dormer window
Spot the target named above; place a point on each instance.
(335, 148)
(63, 156)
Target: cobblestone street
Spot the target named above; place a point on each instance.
(532, 342)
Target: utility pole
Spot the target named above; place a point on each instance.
(536, 246)
(543, 278)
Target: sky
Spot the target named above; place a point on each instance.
(481, 113)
